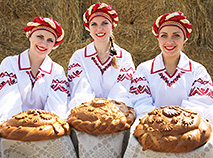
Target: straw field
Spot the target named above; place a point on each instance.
(133, 32)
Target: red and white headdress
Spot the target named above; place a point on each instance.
(48, 24)
(100, 9)
(172, 19)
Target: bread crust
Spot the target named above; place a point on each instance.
(34, 125)
(102, 116)
(172, 129)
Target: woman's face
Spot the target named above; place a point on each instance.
(41, 43)
(100, 29)
(171, 41)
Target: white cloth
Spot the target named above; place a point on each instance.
(134, 148)
(189, 87)
(89, 78)
(47, 91)
(56, 148)
(96, 146)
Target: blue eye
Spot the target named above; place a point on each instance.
(176, 35)
(162, 35)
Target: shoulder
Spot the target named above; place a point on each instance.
(9, 61)
(198, 68)
(80, 53)
(146, 65)
(123, 56)
(57, 69)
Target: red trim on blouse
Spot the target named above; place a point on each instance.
(152, 72)
(20, 68)
(19, 64)
(51, 69)
(152, 67)
(101, 61)
(85, 53)
(190, 67)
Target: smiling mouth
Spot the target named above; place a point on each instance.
(170, 48)
(100, 34)
(42, 49)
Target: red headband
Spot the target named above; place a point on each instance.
(172, 19)
(48, 24)
(100, 14)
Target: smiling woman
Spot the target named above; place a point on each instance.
(102, 69)
(31, 78)
(41, 44)
(171, 78)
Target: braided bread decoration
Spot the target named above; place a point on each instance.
(46, 23)
(174, 17)
(34, 125)
(102, 116)
(100, 8)
(172, 129)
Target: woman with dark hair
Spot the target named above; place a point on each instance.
(170, 79)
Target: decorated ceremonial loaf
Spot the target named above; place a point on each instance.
(172, 129)
(34, 125)
(102, 116)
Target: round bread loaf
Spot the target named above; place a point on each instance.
(34, 125)
(102, 116)
(172, 129)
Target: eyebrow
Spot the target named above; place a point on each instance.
(172, 33)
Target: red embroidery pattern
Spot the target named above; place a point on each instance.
(73, 65)
(202, 91)
(12, 79)
(202, 82)
(169, 84)
(33, 79)
(60, 85)
(102, 70)
(125, 75)
(140, 89)
(136, 80)
(74, 74)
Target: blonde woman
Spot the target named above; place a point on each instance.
(31, 79)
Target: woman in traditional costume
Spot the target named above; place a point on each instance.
(31, 80)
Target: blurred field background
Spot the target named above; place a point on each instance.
(133, 33)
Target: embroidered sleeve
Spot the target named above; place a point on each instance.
(202, 85)
(7, 79)
(120, 90)
(9, 89)
(58, 93)
(140, 92)
(79, 86)
(201, 95)
(60, 85)
(127, 70)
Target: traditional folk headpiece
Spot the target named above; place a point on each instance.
(100, 9)
(48, 24)
(172, 19)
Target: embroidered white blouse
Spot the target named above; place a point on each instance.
(89, 78)
(20, 90)
(189, 87)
